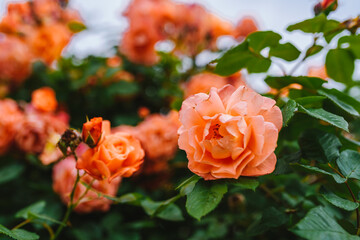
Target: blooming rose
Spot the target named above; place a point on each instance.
(118, 154)
(158, 136)
(244, 27)
(92, 130)
(10, 115)
(44, 99)
(203, 82)
(229, 133)
(64, 175)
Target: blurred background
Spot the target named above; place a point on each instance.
(105, 25)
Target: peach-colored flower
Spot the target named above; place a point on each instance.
(18, 19)
(114, 62)
(203, 82)
(118, 154)
(44, 99)
(244, 27)
(15, 60)
(10, 115)
(284, 92)
(64, 175)
(138, 43)
(319, 72)
(158, 136)
(229, 133)
(92, 131)
(31, 134)
(47, 42)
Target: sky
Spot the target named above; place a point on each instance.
(105, 22)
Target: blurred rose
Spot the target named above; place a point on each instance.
(245, 26)
(44, 99)
(229, 133)
(203, 82)
(114, 62)
(15, 60)
(319, 72)
(64, 175)
(18, 19)
(51, 153)
(118, 154)
(10, 115)
(47, 42)
(31, 134)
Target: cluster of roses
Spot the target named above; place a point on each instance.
(33, 128)
(33, 30)
(107, 155)
(190, 27)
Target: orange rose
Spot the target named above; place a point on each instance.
(118, 154)
(229, 133)
(92, 130)
(319, 72)
(64, 175)
(10, 115)
(203, 82)
(244, 27)
(44, 99)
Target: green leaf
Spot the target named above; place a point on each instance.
(18, 234)
(313, 25)
(354, 44)
(340, 65)
(283, 163)
(307, 82)
(336, 176)
(10, 172)
(129, 198)
(288, 111)
(171, 212)
(349, 164)
(311, 101)
(340, 202)
(318, 224)
(262, 39)
(267, 222)
(204, 198)
(320, 146)
(313, 50)
(342, 100)
(76, 26)
(188, 185)
(285, 51)
(45, 218)
(240, 57)
(245, 183)
(35, 208)
(326, 116)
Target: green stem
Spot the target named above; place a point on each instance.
(88, 187)
(21, 224)
(71, 205)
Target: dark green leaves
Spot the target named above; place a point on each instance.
(241, 57)
(340, 65)
(245, 183)
(18, 234)
(307, 82)
(349, 164)
(285, 51)
(318, 224)
(248, 54)
(271, 218)
(342, 100)
(204, 198)
(10, 172)
(313, 25)
(288, 111)
(340, 202)
(320, 146)
(336, 176)
(326, 116)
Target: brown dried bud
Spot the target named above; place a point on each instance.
(71, 138)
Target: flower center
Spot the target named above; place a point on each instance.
(214, 132)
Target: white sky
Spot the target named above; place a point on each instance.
(105, 22)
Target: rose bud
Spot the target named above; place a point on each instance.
(70, 139)
(92, 131)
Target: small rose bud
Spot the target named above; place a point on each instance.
(92, 131)
(70, 139)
